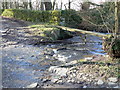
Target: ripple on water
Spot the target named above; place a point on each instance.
(20, 69)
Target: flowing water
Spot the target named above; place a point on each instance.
(25, 64)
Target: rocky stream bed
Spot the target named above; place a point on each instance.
(60, 65)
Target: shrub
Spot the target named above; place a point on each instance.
(55, 16)
(1, 11)
(71, 16)
(8, 13)
(112, 46)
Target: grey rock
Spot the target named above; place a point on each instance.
(33, 85)
(48, 53)
(60, 81)
(32, 56)
(113, 79)
(55, 55)
(70, 81)
(21, 58)
(44, 80)
(78, 82)
(74, 74)
(62, 58)
(15, 46)
(100, 82)
(55, 50)
(84, 78)
(81, 74)
(84, 86)
(54, 80)
(111, 83)
(58, 70)
(88, 58)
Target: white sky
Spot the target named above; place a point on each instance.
(75, 4)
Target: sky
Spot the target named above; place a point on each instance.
(76, 5)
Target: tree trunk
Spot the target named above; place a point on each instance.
(116, 18)
(69, 5)
(11, 5)
(112, 45)
(6, 5)
(48, 5)
(53, 7)
(61, 5)
(25, 5)
(16, 5)
(3, 5)
(42, 6)
(30, 5)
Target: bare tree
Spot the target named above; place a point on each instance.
(16, 5)
(3, 5)
(61, 5)
(42, 6)
(116, 18)
(25, 5)
(30, 4)
(85, 5)
(69, 4)
(48, 5)
(53, 7)
(6, 4)
(11, 4)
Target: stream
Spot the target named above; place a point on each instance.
(24, 64)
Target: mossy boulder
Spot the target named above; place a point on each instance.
(51, 33)
(57, 34)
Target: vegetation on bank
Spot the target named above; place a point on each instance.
(57, 17)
